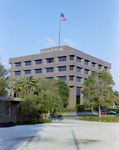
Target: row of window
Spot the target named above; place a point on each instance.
(48, 70)
(51, 60)
(78, 79)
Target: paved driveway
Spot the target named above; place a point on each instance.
(63, 134)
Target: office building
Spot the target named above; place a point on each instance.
(62, 62)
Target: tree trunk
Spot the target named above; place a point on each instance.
(99, 112)
(92, 109)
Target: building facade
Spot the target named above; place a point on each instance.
(62, 62)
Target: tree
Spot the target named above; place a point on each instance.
(3, 80)
(63, 90)
(116, 93)
(44, 102)
(26, 85)
(98, 91)
(46, 84)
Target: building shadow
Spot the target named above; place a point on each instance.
(56, 119)
(18, 136)
(86, 114)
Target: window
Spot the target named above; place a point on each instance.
(18, 64)
(27, 72)
(7, 111)
(85, 80)
(17, 73)
(62, 68)
(62, 58)
(78, 79)
(78, 59)
(49, 70)
(78, 69)
(86, 71)
(93, 64)
(38, 71)
(50, 60)
(27, 63)
(71, 57)
(99, 66)
(77, 95)
(71, 78)
(71, 67)
(62, 78)
(86, 62)
(105, 68)
(49, 78)
(38, 61)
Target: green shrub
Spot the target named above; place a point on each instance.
(28, 122)
(103, 119)
(11, 122)
(69, 110)
(45, 121)
(59, 116)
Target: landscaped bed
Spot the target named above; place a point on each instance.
(28, 122)
(58, 116)
(103, 119)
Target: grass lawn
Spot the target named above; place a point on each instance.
(103, 119)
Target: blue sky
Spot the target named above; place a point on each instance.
(27, 26)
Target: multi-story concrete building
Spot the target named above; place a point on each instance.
(65, 63)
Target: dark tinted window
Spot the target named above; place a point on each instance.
(71, 78)
(78, 59)
(27, 72)
(71, 57)
(62, 68)
(17, 73)
(86, 71)
(49, 70)
(38, 71)
(105, 68)
(38, 61)
(78, 69)
(49, 78)
(62, 58)
(18, 64)
(99, 66)
(77, 95)
(78, 79)
(71, 67)
(93, 64)
(27, 63)
(85, 80)
(50, 60)
(86, 62)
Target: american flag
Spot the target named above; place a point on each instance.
(63, 17)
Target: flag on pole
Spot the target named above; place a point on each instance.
(63, 17)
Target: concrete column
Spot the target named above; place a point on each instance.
(81, 96)
(72, 98)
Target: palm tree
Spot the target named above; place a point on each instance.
(26, 85)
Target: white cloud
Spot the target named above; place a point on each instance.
(70, 43)
(49, 41)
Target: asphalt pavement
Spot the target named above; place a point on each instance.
(63, 134)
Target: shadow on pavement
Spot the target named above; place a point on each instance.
(19, 136)
(75, 140)
(56, 119)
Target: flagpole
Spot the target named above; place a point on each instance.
(59, 27)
